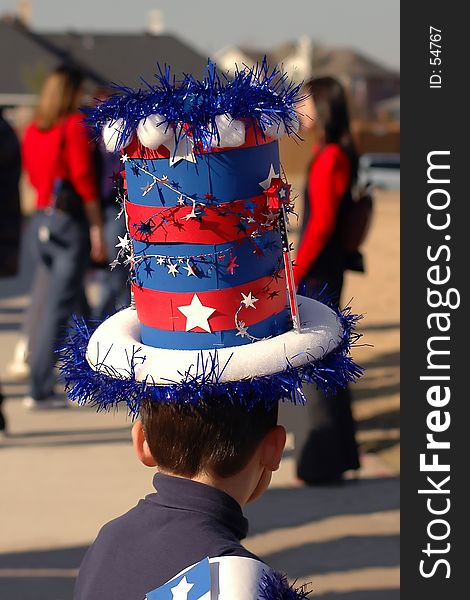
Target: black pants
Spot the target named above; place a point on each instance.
(330, 448)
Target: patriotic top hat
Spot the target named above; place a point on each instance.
(206, 203)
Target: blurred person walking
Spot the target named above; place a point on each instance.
(67, 227)
(10, 223)
(330, 448)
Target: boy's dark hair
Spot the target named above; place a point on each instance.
(220, 439)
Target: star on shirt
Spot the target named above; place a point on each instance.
(172, 269)
(180, 591)
(160, 260)
(124, 158)
(197, 315)
(271, 175)
(249, 301)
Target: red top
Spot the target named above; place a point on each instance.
(44, 165)
(328, 181)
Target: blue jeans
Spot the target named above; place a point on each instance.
(64, 257)
(114, 291)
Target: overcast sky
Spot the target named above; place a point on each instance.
(369, 25)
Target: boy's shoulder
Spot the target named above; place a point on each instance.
(163, 534)
(228, 577)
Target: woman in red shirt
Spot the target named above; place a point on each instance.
(330, 449)
(57, 156)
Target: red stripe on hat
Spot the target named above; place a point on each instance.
(254, 137)
(160, 309)
(218, 225)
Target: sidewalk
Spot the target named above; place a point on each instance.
(65, 473)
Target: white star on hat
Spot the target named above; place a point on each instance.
(182, 149)
(180, 591)
(271, 175)
(197, 315)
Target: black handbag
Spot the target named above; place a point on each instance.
(69, 201)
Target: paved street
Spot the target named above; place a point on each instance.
(66, 472)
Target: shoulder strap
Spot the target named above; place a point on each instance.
(62, 144)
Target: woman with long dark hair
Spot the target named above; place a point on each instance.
(330, 449)
(67, 226)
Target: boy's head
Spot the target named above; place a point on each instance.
(222, 444)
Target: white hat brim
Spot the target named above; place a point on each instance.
(116, 344)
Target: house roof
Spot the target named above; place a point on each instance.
(22, 62)
(26, 57)
(338, 62)
(124, 58)
(331, 61)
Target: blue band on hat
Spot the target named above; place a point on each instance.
(192, 340)
(212, 272)
(228, 176)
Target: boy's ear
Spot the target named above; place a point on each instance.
(272, 448)
(141, 448)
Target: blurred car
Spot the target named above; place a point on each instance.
(379, 170)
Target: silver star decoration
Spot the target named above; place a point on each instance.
(172, 269)
(180, 200)
(249, 301)
(114, 264)
(242, 329)
(148, 188)
(271, 175)
(190, 269)
(124, 158)
(191, 215)
(123, 242)
(270, 218)
(121, 211)
(160, 260)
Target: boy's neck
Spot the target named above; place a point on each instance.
(240, 486)
(229, 485)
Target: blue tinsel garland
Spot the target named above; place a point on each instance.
(274, 586)
(106, 389)
(254, 93)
